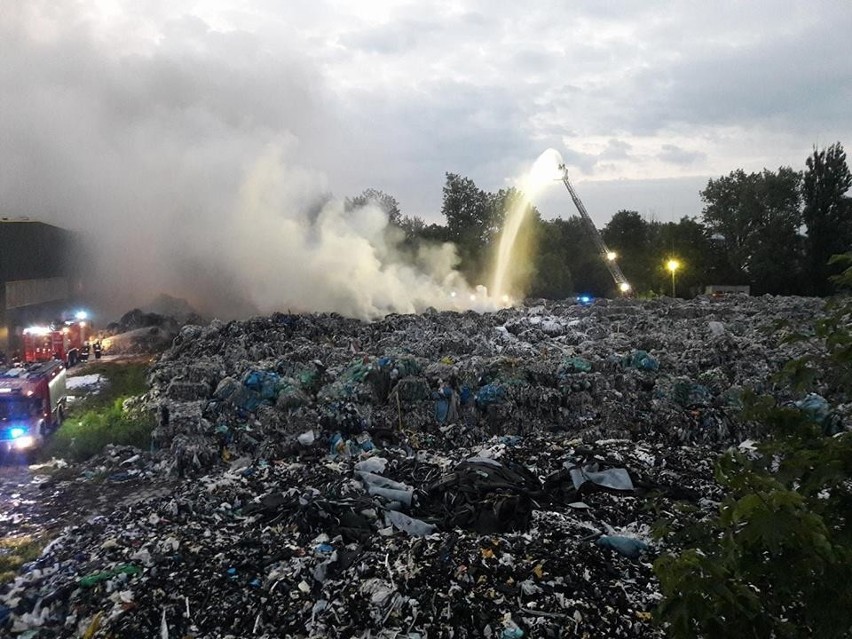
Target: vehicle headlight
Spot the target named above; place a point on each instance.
(28, 441)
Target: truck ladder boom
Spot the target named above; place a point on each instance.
(621, 282)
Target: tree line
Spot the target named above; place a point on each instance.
(774, 231)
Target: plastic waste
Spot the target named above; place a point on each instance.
(374, 465)
(490, 394)
(641, 360)
(387, 488)
(575, 365)
(512, 633)
(274, 513)
(689, 394)
(628, 546)
(612, 478)
(717, 329)
(414, 527)
(95, 578)
(815, 407)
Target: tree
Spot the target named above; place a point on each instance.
(468, 211)
(553, 278)
(566, 245)
(471, 222)
(412, 226)
(436, 233)
(627, 234)
(827, 213)
(758, 215)
(385, 202)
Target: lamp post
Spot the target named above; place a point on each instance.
(673, 265)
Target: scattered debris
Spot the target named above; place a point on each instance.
(447, 474)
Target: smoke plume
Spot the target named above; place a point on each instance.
(194, 164)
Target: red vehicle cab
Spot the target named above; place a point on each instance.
(32, 404)
(64, 342)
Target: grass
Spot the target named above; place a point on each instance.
(100, 419)
(15, 552)
(126, 379)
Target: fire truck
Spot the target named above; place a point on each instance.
(32, 404)
(66, 342)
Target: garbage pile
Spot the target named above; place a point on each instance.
(138, 332)
(440, 475)
(660, 371)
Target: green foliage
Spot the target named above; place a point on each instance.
(470, 223)
(568, 257)
(827, 213)
(84, 435)
(750, 233)
(382, 200)
(759, 215)
(828, 370)
(468, 211)
(776, 559)
(103, 418)
(15, 552)
(553, 276)
(124, 379)
(687, 240)
(629, 236)
(412, 226)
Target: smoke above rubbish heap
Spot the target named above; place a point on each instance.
(305, 254)
(328, 257)
(195, 165)
(284, 244)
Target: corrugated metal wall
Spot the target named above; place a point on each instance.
(36, 266)
(29, 292)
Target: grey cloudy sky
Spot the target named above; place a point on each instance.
(150, 114)
(645, 100)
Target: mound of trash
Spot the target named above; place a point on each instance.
(438, 475)
(140, 332)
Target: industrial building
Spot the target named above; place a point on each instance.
(38, 276)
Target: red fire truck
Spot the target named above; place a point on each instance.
(32, 404)
(66, 342)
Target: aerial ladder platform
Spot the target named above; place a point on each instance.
(608, 257)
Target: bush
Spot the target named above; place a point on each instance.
(125, 379)
(101, 418)
(15, 552)
(776, 559)
(84, 436)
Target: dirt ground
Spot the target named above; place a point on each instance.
(39, 500)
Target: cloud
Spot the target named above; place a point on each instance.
(156, 112)
(616, 150)
(676, 155)
(788, 73)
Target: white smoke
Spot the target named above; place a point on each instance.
(333, 259)
(193, 164)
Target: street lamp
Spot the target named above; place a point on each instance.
(611, 255)
(673, 265)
